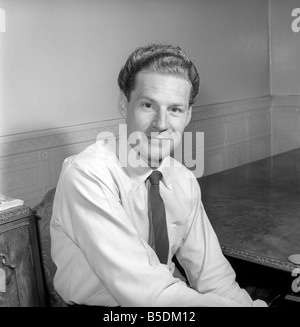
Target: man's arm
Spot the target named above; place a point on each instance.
(207, 269)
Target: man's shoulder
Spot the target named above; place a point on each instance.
(94, 157)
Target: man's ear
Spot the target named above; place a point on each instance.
(189, 116)
(123, 104)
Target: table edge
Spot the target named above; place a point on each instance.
(256, 258)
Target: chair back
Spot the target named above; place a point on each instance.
(43, 212)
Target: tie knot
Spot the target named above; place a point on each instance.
(155, 177)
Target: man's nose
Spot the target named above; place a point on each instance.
(161, 121)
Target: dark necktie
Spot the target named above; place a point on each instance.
(159, 218)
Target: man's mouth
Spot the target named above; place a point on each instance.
(160, 137)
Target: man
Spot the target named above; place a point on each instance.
(105, 245)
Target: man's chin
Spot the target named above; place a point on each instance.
(152, 152)
(157, 153)
(155, 160)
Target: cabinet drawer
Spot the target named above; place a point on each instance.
(19, 258)
(20, 285)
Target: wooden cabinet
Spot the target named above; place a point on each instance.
(20, 259)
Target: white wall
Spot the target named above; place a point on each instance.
(60, 59)
(285, 49)
(285, 76)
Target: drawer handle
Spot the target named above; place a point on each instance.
(5, 262)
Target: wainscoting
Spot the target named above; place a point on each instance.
(285, 123)
(234, 133)
(30, 163)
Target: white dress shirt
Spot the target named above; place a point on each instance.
(101, 238)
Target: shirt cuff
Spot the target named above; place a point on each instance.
(259, 303)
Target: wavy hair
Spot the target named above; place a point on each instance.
(161, 58)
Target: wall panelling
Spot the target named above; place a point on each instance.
(235, 133)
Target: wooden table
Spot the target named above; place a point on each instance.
(255, 210)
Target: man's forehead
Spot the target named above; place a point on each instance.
(150, 81)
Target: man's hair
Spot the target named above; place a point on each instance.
(161, 58)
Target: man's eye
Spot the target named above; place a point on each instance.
(175, 110)
(147, 105)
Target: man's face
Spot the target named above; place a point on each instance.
(158, 108)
